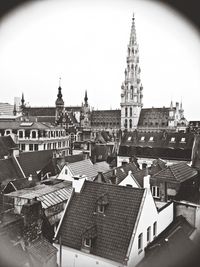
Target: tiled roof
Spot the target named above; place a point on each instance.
(114, 229)
(40, 111)
(102, 166)
(83, 167)
(22, 183)
(165, 145)
(32, 162)
(156, 166)
(74, 158)
(9, 170)
(172, 247)
(6, 145)
(120, 172)
(159, 115)
(42, 250)
(179, 172)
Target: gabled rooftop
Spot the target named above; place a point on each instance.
(114, 226)
(179, 172)
(6, 145)
(83, 168)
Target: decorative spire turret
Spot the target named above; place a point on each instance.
(22, 101)
(59, 100)
(86, 98)
(132, 91)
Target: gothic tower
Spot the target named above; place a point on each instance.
(59, 106)
(131, 89)
(85, 113)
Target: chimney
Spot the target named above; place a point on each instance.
(146, 180)
(99, 177)
(77, 183)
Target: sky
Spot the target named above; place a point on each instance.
(85, 43)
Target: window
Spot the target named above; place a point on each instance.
(129, 138)
(140, 242)
(31, 147)
(131, 112)
(183, 140)
(151, 139)
(35, 147)
(33, 134)
(131, 93)
(125, 124)
(126, 112)
(154, 228)
(130, 123)
(142, 138)
(20, 134)
(172, 139)
(23, 147)
(87, 242)
(148, 234)
(156, 191)
(100, 208)
(7, 132)
(44, 146)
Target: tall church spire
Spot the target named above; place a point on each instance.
(132, 89)
(59, 100)
(86, 98)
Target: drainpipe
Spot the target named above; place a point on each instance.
(60, 243)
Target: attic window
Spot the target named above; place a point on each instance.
(151, 139)
(183, 140)
(142, 138)
(102, 202)
(129, 138)
(172, 139)
(87, 242)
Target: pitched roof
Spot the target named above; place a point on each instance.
(9, 170)
(102, 166)
(172, 247)
(120, 172)
(49, 195)
(42, 250)
(32, 162)
(159, 115)
(179, 172)
(114, 229)
(6, 109)
(6, 145)
(22, 183)
(165, 145)
(83, 167)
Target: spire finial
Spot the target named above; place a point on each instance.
(60, 82)
(133, 31)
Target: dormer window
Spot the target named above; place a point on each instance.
(88, 237)
(87, 242)
(129, 138)
(172, 140)
(151, 139)
(102, 202)
(183, 140)
(142, 138)
(100, 208)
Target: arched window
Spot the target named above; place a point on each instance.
(33, 134)
(126, 112)
(131, 113)
(125, 124)
(131, 91)
(130, 123)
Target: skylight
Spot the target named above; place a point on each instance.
(142, 138)
(151, 139)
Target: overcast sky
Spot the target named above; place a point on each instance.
(85, 43)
